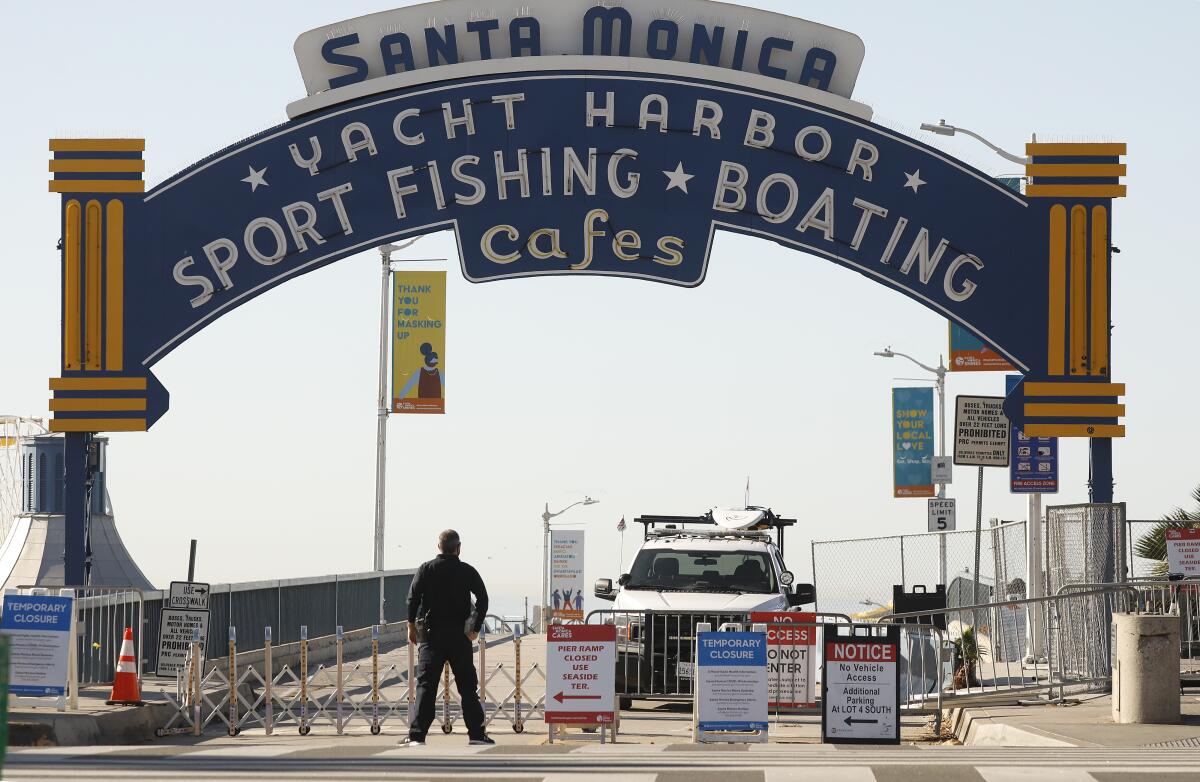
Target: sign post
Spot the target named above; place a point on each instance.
(581, 669)
(860, 692)
(39, 632)
(791, 658)
(566, 575)
(731, 687)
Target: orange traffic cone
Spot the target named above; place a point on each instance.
(125, 684)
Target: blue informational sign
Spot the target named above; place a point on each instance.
(1033, 466)
(39, 629)
(912, 442)
(731, 681)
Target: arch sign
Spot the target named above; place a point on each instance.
(571, 138)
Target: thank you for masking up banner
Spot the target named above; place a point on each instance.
(419, 342)
(912, 442)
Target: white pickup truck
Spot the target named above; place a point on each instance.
(714, 568)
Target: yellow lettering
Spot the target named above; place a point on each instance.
(485, 244)
(589, 237)
(626, 240)
(671, 247)
(555, 250)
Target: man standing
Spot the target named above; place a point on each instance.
(440, 596)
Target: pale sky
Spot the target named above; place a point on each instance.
(652, 399)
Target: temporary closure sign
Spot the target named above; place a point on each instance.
(980, 431)
(859, 686)
(39, 632)
(1183, 552)
(791, 657)
(581, 672)
(731, 681)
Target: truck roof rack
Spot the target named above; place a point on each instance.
(659, 525)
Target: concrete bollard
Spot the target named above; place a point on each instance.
(1145, 672)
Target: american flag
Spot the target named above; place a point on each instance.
(621, 525)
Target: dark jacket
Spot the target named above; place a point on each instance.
(442, 588)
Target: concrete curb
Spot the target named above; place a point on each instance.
(974, 727)
(122, 725)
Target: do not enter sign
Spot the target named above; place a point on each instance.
(791, 657)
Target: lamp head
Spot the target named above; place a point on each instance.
(942, 129)
(885, 353)
(388, 249)
(589, 501)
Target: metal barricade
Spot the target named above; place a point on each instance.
(991, 650)
(371, 691)
(655, 649)
(1156, 595)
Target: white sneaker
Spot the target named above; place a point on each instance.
(409, 741)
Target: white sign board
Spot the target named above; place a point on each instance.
(39, 633)
(581, 673)
(860, 692)
(1183, 552)
(791, 657)
(566, 575)
(188, 594)
(981, 432)
(942, 469)
(731, 682)
(941, 514)
(175, 632)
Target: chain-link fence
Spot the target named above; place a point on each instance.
(857, 576)
(1084, 544)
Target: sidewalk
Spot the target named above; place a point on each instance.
(1086, 724)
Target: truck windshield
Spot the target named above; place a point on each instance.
(702, 571)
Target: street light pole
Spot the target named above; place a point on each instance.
(546, 516)
(940, 373)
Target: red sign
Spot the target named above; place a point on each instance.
(1183, 551)
(581, 668)
(859, 652)
(791, 657)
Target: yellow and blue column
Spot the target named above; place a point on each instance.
(1073, 395)
(101, 184)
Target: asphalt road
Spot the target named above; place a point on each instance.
(369, 758)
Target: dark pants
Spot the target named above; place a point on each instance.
(446, 645)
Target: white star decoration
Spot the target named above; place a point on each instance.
(678, 178)
(913, 180)
(256, 178)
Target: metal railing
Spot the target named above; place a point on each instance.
(102, 613)
(1179, 597)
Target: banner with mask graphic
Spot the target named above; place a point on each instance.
(418, 342)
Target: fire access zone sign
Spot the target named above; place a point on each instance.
(860, 690)
(791, 658)
(581, 672)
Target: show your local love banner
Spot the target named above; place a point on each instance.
(418, 342)
(912, 442)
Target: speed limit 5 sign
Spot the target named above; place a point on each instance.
(941, 514)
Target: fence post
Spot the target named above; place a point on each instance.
(196, 674)
(340, 690)
(903, 581)
(268, 693)
(518, 723)
(375, 680)
(408, 711)
(233, 704)
(304, 728)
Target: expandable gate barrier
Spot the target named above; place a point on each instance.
(242, 696)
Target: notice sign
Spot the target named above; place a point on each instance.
(39, 636)
(941, 514)
(188, 594)
(791, 658)
(175, 634)
(581, 672)
(731, 681)
(859, 687)
(566, 575)
(1183, 552)
(980, 432)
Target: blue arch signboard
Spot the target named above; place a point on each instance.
(576, 139)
